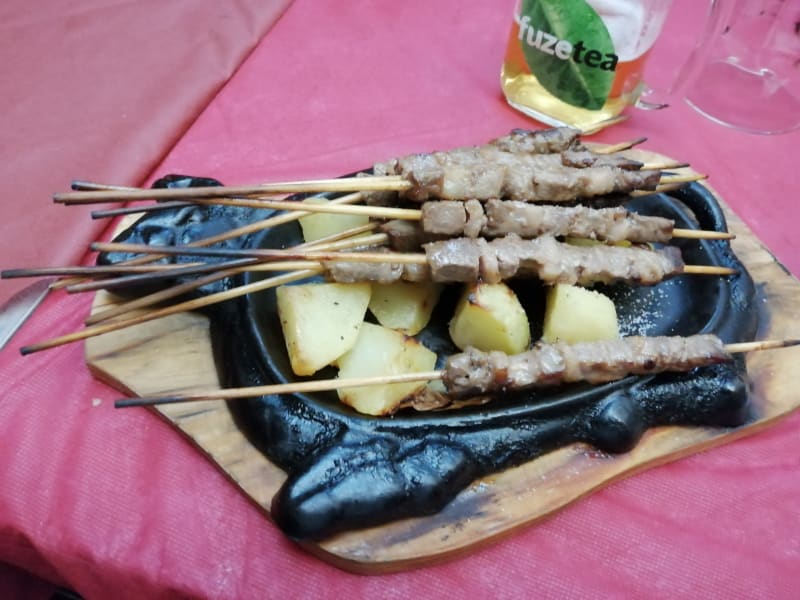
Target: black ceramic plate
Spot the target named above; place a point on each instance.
(347, 470)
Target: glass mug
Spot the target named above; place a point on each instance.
(580, 62)
(749, 77)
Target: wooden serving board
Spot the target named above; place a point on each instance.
(174, 354)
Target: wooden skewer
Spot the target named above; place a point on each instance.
(688, 178)
(79, 185)
(306, 266)
(406, 258)
(660, 189)
(264, 253)
(90, 271)
(145, 278)
(344, 184)
(223, 197)
(667, 166)
(605, 123)
(273, 221)
(241, 265)
(311, 269)
(134, 210)
(618, 147)
(702, 234)
(413, 214)
(322, 385)
(177, 290)
(281, 388)
(707, 270)
(664, 188)
(754, 346)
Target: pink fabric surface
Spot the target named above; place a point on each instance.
(102, 88)
(115, 501)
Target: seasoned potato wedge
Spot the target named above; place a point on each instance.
(404, 306)
(490, 317)
(319, 225)
(320, 321)
(575, 314)
(382, 351)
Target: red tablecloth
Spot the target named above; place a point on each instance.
(115, 501)
(102, 89)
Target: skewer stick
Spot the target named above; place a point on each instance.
(264, 203)
(707, 270)
(145, 278)
(413, 214)
(321, 385)
(663, 188)
(605, 123)
(177, 290)
(79, 185)
(241, 265)
(273, 221)
(333, 384)
(618, 147)
(760, 345)
(266, 253)
(702, 234)
(667, 166)
(344, 184)
(405, 258)
(89, 271)
(133, 210)
(688, 178)
(312, 269)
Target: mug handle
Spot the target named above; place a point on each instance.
(719, 13)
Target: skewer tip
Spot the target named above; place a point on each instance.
(761, 345)
(133, 402)
(708, 270)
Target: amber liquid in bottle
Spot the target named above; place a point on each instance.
(524, 92)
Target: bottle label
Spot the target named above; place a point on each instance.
(569, 49)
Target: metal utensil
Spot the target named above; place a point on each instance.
(19, 307)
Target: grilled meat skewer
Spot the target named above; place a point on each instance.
(496, 218)
(467, 260)
(516, 166)
(474, 372)
(487, 172)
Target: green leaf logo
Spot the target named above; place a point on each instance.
(569, 50)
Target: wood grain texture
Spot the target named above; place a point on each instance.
(174, 355)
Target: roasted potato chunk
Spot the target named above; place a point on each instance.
(320, 321)
(382, 351)
(319, 225)
(404, 306)
(489, 317)
(575, 314)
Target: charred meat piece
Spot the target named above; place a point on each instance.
(544, 141)
(408, 236)
(476, 219)
(586, 158)
(352, 272)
